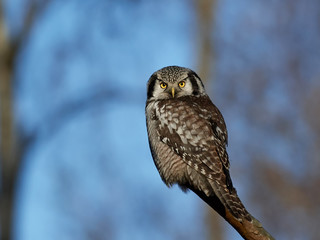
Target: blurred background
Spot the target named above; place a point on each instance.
(75, 160)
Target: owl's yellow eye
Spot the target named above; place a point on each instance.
(163, 85)
(182, 84)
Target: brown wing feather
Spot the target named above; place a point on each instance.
(194, 130)
(187, 128)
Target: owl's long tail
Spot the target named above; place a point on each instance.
(231, 204)
(246, 225)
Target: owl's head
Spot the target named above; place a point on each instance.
(174, 82)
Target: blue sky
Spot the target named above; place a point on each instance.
(94, 165)
(81, 88)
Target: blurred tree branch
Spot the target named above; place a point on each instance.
(55, 120)
(205, 13)
(248, 230)
(13, 145)
(9, 163)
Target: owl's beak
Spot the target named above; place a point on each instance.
(172, 92)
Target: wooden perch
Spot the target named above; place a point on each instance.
(249, 230)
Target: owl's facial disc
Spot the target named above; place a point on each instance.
(173, 89)
(174, 82)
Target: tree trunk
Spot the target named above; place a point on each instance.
(9, 165)
(205, 13)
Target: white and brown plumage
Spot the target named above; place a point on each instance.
(188, 138)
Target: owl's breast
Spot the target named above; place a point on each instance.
(170, 165)
(184, 123)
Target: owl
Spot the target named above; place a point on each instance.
(188, 138)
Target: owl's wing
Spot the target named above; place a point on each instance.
(198, 136)
(195, 130)
(210, 159)
(221, 141)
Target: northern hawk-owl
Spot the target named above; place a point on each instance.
(188, 139)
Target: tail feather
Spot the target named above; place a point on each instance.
(230, 201)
